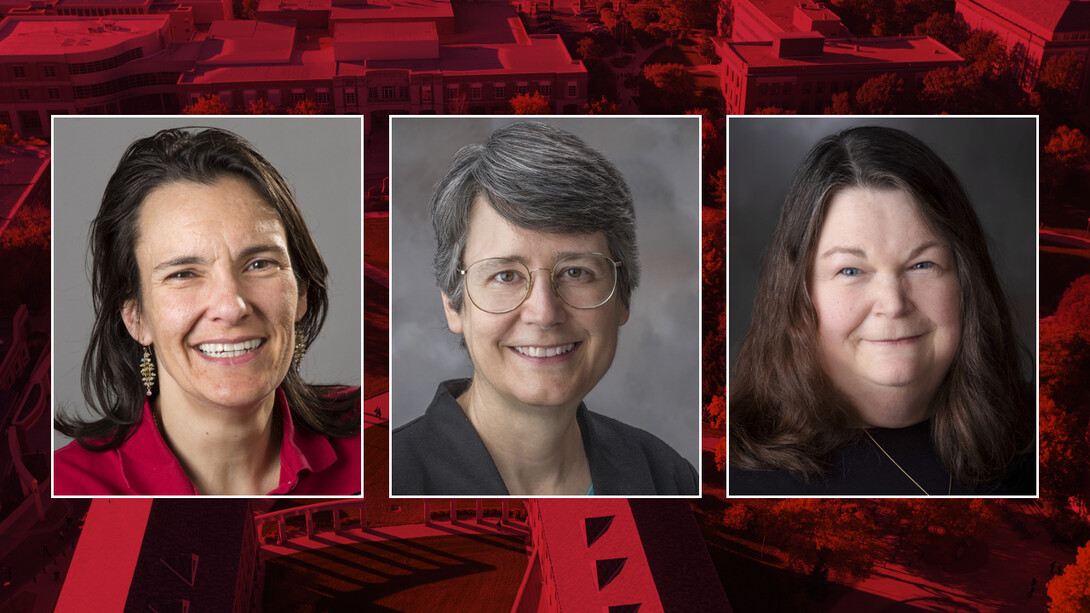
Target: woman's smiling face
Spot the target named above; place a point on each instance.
(511, 351)
(888, 300)
(219, 299)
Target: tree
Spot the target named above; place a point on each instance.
(715, 413)
(1068, 147)
(948, 527)
(207, 104)
(721, 456)
(1063, 452)
(820, 536)
(1058, 81)
(532, 103)
(601, 106)
(773, 110)
(679, 17)
(706, 48)
(28, 229)
(642, 14)
(259, 106)
(9, 137)
(669, 77)
(589, 49)
(879, 95)
(841, 104)
(1069, 591)
(306, 106)
(950, 30)
(248, 9)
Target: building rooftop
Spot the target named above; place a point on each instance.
(68, 4)
(369, 32)
(393, 10)
(248, 42)
(294, 5)
(300, 66)
(24, 36)
(543, 53)
(1044, 17)
(851, 51)
(782, 12)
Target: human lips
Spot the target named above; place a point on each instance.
(535, 351)
(894, 341)
(230, 349)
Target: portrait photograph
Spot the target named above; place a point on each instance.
(207, 306)
(545, 306)
(882, 311)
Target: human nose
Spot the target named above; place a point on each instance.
(892, 296)
(227, 301)
(543, 306)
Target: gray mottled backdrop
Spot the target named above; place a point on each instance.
(995, 158)
(319, 156)
(654, 382)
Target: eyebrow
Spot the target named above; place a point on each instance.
(523, 260)
(249, 252)
(859, 252)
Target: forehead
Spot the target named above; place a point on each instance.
(227, 205)
(884, 218)
(490, 235)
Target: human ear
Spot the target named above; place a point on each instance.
(130, 314)
(454, 317)
(301, 306)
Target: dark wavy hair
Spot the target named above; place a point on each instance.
(111, 380)
(784, 411)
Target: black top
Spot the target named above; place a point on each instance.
(862, 469)
(440, 453)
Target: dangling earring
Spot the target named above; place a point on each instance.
(300, 347)
(147, 369)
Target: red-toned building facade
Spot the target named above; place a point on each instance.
(796, 55)
(374, 60)
(1036, 30)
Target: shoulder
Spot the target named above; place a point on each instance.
(78, 471)
(626, 460)
(440, 453)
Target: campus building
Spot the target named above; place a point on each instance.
(51, 65)
(1036, 30)
(796, 55)
(375, 59)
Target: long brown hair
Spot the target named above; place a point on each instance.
(784, 411)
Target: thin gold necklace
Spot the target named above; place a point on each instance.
(949, 485)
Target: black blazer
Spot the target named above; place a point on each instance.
(440, 454)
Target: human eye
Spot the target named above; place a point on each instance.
(506, 276)
(923, 266)
(576, 273)
(258, 265)
(849, 271)
(182, 275)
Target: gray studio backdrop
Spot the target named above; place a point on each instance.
(319, 156)
(654, 383)
(995, 159)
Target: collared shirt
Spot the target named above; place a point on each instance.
(143, 465)
(440, 453)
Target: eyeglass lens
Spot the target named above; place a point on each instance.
(498, 285)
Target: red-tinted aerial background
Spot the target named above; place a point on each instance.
(635, 57)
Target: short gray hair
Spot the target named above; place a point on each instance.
(538, 177)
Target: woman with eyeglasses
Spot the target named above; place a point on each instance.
(536, 262)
